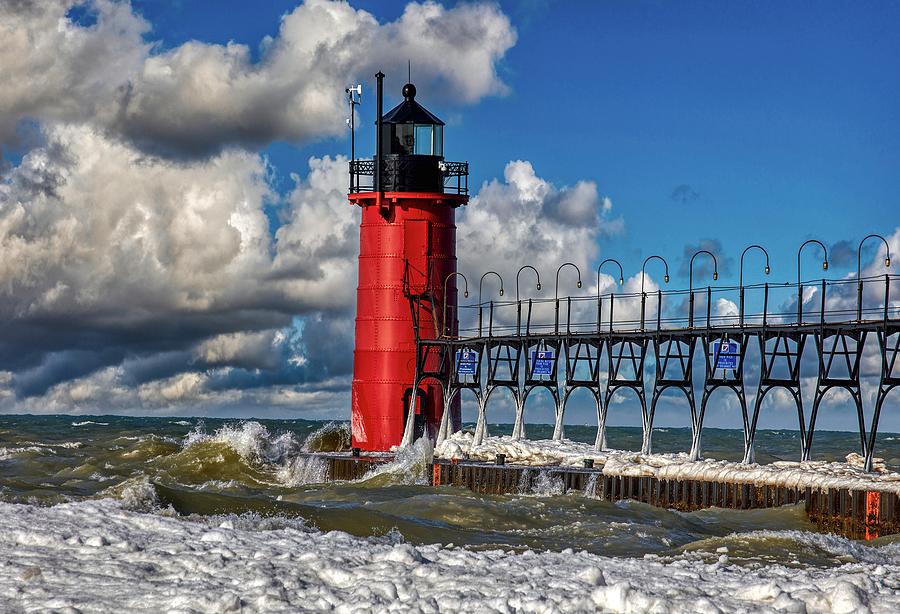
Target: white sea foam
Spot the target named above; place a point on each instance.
(818, 475)
(251, 440)
(282, 453)
(411, 465)
(303, 470)
(88, 422)
(140, 562)
(8, 453)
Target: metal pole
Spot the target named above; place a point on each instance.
(612, 302)
(528, 321)
(643, 305)
(691, 308)
(379, 103)
(658, 310)
(859, 298)
(887, 295)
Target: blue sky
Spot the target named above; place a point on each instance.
(781, 119)
(175, 219)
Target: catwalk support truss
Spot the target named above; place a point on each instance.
(603, 344)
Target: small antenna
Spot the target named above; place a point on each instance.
(354, 97)
(408, 71)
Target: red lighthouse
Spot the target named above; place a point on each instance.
(407, 256)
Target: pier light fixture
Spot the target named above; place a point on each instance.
(621, 273)
(644, 268)
(465, 294)
(481, 283)
(538, 275)
(887, 255)
(715, 277)
(799, 286)
(715, 274)
(767, 270)
(561, 267)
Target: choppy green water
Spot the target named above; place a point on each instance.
(255, 467)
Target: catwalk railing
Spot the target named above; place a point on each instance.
(651, 342)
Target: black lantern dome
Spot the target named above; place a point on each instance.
(409, 129)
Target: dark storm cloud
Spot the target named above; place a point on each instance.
(684, 194)
(59, 367)
(703, 264)
(842, 253)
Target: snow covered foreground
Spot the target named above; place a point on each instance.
(97, 556)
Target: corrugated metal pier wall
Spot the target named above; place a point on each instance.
(857, 514)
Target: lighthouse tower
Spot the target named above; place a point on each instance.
(407, 255)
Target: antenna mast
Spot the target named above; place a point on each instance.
(354, 96)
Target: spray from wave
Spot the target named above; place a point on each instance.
(410, 466)
(331, 437)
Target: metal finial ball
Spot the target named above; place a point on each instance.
(409, 91)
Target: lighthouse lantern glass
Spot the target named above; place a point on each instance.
(424, 139)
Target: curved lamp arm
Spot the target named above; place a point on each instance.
(644, 268)
(744, 253)
(465, 295)
(481, 283)
(824, 262)
(561, 267)
(887, 259)
(538, 275)
(691, 268)
(621, 273)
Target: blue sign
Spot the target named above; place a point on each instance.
(726, 354)
(466, 362)
(542, 362)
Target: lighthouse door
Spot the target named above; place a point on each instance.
(417, 248)
(419, 418)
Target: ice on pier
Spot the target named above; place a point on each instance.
(818, 475)
(97, 556)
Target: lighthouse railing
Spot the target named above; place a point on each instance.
(454, 175)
